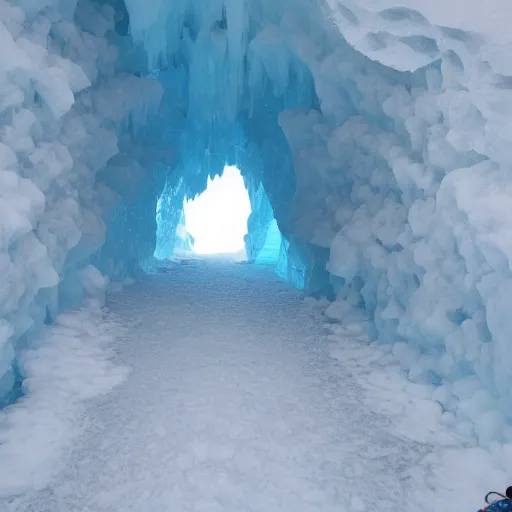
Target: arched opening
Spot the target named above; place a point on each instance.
(217, 218)
(230, 215)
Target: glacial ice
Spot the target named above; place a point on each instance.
(380, 132)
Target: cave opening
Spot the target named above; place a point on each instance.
(217, 218)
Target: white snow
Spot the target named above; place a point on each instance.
(251, 408)
(69, 364)
(58, 128)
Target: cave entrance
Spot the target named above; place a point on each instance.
(215, 222)
(232, 216)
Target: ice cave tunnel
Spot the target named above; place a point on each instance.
(373, 138)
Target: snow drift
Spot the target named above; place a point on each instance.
(379, 132)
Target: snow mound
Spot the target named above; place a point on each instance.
(71, 363)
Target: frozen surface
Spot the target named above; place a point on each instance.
(70, 364)
(255, 408)
(61, 104)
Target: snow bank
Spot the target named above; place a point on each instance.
(440, 476)
(69, 364)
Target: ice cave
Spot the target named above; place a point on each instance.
(356, 357)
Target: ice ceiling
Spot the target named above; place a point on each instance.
(379, 131)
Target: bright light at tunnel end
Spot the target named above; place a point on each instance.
(217, 219)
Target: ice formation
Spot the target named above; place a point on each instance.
(379, 132)
(69, 365)
(62, 103)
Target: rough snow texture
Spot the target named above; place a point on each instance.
(69, 364)
(248, 410)
(423, 243)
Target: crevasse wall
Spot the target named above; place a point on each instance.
(62, 100)
(379, 132)
(430, 259)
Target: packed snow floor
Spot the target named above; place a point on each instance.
(239, 399)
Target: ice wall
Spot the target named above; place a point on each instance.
(62, 99)
(169, 217)
(423, 239)
(259, 223)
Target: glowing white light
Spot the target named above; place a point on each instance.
(217, 219)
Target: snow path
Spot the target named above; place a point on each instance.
(233, 404)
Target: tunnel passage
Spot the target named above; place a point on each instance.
(214, 222)
(377, 135)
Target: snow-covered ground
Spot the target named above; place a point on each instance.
(242, 396)
(69, 364)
